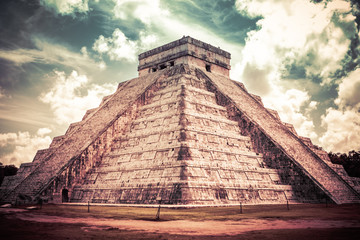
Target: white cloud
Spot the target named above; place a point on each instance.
(19, 56)
(101, 45)
(67, 7)
(349, 90)
(49, 53)
(102, 65)
(289, 105)
(255, 76)
(343, 123)
(72, 95)
(144, 10)
(311, 107)
(3, 93)
(147, 40)
(84, 51)
(43, 131)
(24, 146)
(167, 27)
(293, 32)
(343, 128)
(118, 47)
(295, 29)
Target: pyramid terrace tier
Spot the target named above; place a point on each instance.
(186, 136)
(268, 133)
(206, 158)
(172, 194)
(167, 158)
(85, 141)
(197, 146)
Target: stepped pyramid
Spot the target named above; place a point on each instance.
(187, 134)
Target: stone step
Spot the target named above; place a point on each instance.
(313, 166)
(86, 133)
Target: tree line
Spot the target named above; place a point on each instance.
(350, 162)
(7, 170)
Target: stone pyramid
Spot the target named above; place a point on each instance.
(187, 134)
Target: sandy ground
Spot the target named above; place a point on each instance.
(184, 227)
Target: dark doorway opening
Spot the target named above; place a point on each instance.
(65, 195)
(208, 68)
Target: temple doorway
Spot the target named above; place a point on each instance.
(65, 195)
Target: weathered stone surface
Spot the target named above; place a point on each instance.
(83, 134)
(185, 134)
(256, 121)
(185, 51)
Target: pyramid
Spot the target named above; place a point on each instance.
(184, 133)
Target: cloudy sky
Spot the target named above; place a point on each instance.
(58, 58)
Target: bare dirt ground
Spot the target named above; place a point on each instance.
(182, 227)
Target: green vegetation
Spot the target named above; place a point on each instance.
(7, 170)
(350, 162)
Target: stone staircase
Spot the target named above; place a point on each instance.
(180, 144)
(81, 136)
(314, 167)
(182, 137)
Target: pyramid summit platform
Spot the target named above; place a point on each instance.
(187, 134)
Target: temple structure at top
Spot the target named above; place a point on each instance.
(188, 51)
